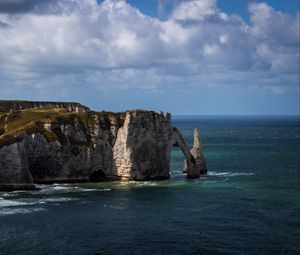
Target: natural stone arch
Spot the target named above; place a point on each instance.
(194, 159)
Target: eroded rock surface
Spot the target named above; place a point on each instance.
(197, 153)
(65, 145)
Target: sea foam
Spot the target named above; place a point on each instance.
(10, 211)
(229, 174)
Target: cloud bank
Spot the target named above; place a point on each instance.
(75, 44)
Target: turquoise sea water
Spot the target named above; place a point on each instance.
(249, 203)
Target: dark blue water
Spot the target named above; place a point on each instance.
(249, 203)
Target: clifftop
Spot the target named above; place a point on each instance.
(33, 121)
(16, 105)
(36, 117)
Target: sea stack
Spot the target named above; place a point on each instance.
(197, 153)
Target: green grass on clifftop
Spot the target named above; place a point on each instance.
(32, 121)
(17, 117)
(16, 105)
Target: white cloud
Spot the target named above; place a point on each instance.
(274, 26)
(194, 10)
(113, 44)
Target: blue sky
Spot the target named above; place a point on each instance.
(202, 57)
(240, 7)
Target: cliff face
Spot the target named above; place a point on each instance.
(58, 145)
(143, 145)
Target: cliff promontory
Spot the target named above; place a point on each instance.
(46, 142)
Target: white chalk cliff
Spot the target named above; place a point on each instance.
(70, 143)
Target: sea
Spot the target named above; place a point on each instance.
(248, 203)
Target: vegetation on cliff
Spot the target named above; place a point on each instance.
(34, 121)
(48, 118)
(16, 105)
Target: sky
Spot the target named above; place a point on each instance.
(195, 57)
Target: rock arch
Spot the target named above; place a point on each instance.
(194, 164)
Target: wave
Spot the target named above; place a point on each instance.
(81, 189)
(136, 184)
(9, 207)
(9, 203)
(10, 211)
(56, 200)
(61, 188)
(143, 183)
(228, 174)
(117, 207)
(106, 189)
(66, 188)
